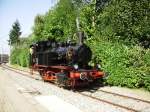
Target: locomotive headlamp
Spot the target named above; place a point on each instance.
(98, 66)
(76, 66)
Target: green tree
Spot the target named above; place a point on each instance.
(14, 33)
(38, 26)
(60, 21)
(125, 20)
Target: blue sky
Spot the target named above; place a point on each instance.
(24, 11)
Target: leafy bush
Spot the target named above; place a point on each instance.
(14, 56)
(127, 66)
(20, 56)
(125, 20)
(23, 57)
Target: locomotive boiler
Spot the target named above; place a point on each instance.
(65, 63)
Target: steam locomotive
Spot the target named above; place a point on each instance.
(65, 63)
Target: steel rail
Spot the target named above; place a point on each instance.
(14, 70)
(19, 69)
(124, 96)
(108, 102)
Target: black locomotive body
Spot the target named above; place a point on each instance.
(51, 53)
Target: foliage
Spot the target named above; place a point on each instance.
(20, 57)
(38, 26)
(127, 66)
(14, 33)
(14, 56)
(125, 20)
(57, 23)
(88, 19)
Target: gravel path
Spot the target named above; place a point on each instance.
(36, 88)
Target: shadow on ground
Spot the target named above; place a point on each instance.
(92, 87)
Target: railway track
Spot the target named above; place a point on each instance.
(26, 73)
(111, 103)
(115, 104)
(124, 96)
(4, 65)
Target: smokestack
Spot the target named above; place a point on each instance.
(80, 35)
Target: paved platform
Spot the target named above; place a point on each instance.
(55, 104)
(14, 98)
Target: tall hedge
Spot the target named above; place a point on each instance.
(127, 66)
(20, 56)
